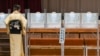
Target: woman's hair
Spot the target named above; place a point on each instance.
(16, 7)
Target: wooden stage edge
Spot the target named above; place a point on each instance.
(3, 30)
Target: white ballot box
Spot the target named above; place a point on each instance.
(72, 20)
(2, 18)
(89, 20)
(37, 20)
(53, 20)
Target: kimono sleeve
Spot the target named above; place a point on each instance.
(24, 21)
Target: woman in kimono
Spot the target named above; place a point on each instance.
(16, 43)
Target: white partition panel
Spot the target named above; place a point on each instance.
(37, 20)
(72, 20)
(2, 18)
(53, 20)
(89, 20)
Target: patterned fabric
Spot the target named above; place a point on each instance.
(15, 27)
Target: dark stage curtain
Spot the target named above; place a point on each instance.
(33, 5)
(20, 2)
(3, 5)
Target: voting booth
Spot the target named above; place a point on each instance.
(37, 20)
(89, 20)
(2, 18)
(53, 20)
(72, 20)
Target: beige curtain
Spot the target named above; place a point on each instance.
(70, 5)
(89, 5)
(51, 5)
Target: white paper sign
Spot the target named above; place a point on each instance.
(72, 20)
(53, 20)
(62, 35)
(89, 20)
(2, 18)
(37, 20)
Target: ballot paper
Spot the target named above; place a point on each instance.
(53, 20)
(89, 20)
(72, 20)
(2, 18)
(37, 20)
